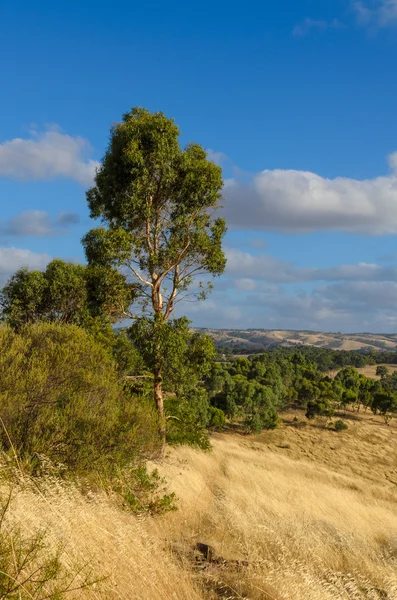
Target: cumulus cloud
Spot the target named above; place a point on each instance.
(37, 223)
(12, 259)
(290, 201)
(302, 29)
(47, 155)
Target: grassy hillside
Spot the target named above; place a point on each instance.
(296, 513)
(264, 338)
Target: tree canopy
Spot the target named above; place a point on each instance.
(65, 293)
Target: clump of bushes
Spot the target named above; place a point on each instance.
(61, 397)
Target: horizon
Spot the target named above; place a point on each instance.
(294, 101)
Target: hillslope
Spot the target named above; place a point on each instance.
(265, 338)
(299, 513)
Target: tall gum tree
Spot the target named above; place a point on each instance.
(157, 202)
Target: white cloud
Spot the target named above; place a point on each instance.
(47, 155)
(347, 307)
(217, 157)
(376, 13)
(12, 259)
(302, 29)
(249, 269)
(291, 201)
(246, 284)
(37, 223)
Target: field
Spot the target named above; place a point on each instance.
(369, 371)
(299, 513)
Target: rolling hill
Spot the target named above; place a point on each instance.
(265, 338)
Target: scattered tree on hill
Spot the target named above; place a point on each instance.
(156, 201)
(386, 404)
(382, 371)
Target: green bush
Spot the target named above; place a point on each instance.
(143, 491)
(217, 418)
(340, 425)
(60, 397)
(188, 417)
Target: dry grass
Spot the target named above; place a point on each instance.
(98, 535)
(313, 512)
(368, 371)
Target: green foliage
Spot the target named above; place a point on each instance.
(340, 425)
(382, 371)
(184, 357)
(188, 417)
(60, 397)
(385, 403)
(144, 492)
(65, 293)
(157, 201)
(319, 408)
(217, 418)
(250, 390)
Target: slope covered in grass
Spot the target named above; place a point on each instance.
(299, 513)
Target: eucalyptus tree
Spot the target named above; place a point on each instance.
(65, 293)
(157, 202)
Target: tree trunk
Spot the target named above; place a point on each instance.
(159, 400)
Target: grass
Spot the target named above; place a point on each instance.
(311, 512)
(369, 370)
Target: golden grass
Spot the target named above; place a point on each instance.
(368, 371)
(313, 512)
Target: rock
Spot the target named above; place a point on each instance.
(208, 552)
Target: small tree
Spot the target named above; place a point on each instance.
(382, 371)
(386, 404)
(157, 202)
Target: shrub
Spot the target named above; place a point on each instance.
(144, 491)
(187, 418)
(340, 425)
(217, 418)
(60, 397)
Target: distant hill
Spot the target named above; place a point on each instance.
(265, 338)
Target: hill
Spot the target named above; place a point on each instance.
(296, 513)
(265, 338)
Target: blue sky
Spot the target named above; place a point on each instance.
(295, 99)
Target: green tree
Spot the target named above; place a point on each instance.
(382, 371)
(386, 404)
(156, 201)
(65, 293)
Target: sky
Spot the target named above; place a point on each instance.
(295, 99)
